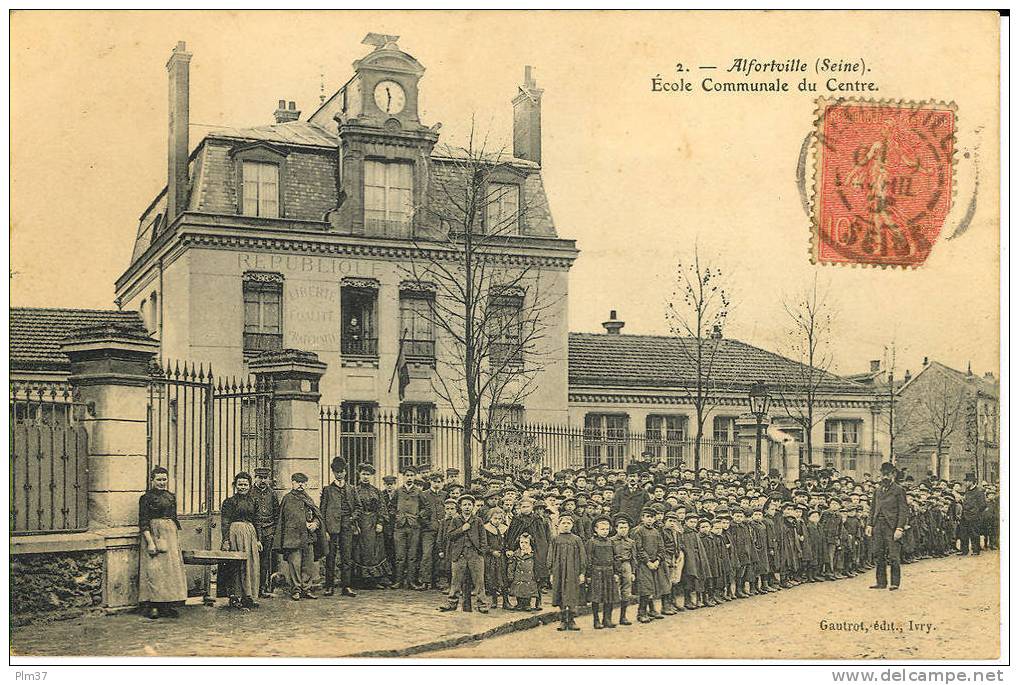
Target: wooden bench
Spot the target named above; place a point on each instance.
(211, 557)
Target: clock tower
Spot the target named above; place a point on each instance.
(384, 148)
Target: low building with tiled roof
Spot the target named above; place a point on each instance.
(36, 335)
(959, 410)
(38, 368)
(642, 385)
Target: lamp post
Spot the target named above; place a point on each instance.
(759, 402)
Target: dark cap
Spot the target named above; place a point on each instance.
(299, 478)
(366, 468)
(623, 517)
(338, 465)
(263, 471)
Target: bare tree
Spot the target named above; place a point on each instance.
(490, 311)
(697, 312)
(938, 412)
(809, 341)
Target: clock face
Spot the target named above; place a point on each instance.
(389, 97)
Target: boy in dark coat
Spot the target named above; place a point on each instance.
(466, 549)
(441, 543)
(568, 566)
(624, 549)
(603, 573)
(650, 550)
(692, 578)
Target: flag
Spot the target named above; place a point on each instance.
(401, 369)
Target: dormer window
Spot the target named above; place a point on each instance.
(502, 209)
(388, 198)
(261, 189)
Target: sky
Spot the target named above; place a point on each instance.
(637, 178)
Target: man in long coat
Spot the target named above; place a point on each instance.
(889, 513)
(300, 537)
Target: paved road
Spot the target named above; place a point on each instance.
(326, 627)
(958, 596)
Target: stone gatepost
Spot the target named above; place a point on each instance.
(110, 376)
(294, 375)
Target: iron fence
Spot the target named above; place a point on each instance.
(48, 459)
(204, 430)
(391, 441)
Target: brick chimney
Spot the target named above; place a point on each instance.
(286, 111)
(907, 376)
(613, 325)
(527, 120)
(178, 68)
(875, 365)
(716, 332)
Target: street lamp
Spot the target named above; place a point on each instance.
(759, 402)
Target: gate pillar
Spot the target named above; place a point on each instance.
(294, 375)
(109, 373)
(110, 376)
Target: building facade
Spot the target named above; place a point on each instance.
(948, 424)
(625, 385)
(314, 234)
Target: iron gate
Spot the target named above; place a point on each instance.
(205, 430)
(48, 459)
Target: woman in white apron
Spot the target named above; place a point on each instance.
(239, 580)
(162, 585)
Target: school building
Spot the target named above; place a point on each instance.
(304, 234)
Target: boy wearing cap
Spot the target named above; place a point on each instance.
(674, 561)
(712, 569)
(567, 568)
(340, 510)
(266, 512)
(466, 549)
(299, 537)
(388, 495)
(603, 573)
(444, 569)
(624, 551)
(410, 509)
(650, 553)
(691, 577)
(435, 498)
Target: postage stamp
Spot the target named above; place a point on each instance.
(883, 180)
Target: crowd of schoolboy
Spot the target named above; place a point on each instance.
(653, 536)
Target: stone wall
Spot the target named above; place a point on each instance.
(55, 584)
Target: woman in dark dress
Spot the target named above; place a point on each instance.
(162, 585)
(239, 580)
(370, 562)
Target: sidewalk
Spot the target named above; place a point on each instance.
(386, 623)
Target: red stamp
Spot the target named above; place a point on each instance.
(883, 184)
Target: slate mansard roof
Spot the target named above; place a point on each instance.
(648, 361)
(309, 181)
(36, 334)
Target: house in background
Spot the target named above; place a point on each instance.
(948, 424)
